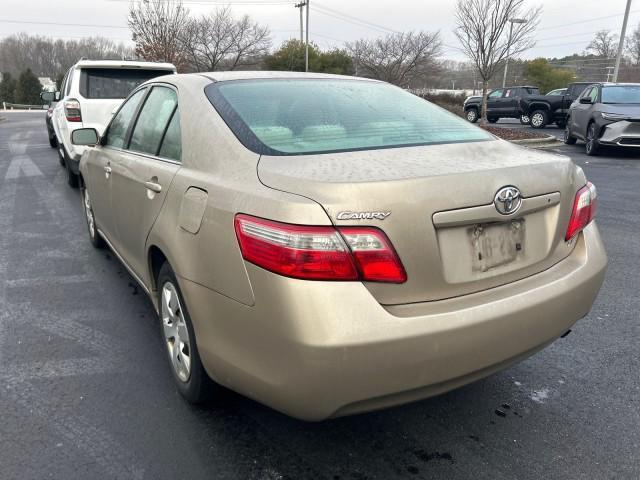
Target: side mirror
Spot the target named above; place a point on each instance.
(586, 100)
(85, 137)
(48, 96)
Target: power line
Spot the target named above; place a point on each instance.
(33, 22)
(586, 21)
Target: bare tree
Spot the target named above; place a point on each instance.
(221, 41)
(604, 44)
(483, 27)
(48, 57)
(633, 45)
(398, 58)
(157, 26)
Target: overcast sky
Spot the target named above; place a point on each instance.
(566, 26)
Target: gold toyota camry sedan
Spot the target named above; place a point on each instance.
(329, 245)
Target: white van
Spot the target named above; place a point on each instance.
(91, 92)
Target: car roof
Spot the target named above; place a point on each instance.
(519, 86)
(125, 64)
(267, 74)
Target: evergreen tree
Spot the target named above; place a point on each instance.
(7, 88)
(28, 89)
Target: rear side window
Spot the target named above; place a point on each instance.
(172, 143)
(114, 82)
(153, 120)
(302, 116)
(119, 126)
(531, 91)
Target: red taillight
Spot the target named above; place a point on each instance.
(319, 253)
(72, 110)
(584, 210)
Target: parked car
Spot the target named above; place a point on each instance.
(328, 245)
(501, 103)
(91, 91)
(557, 91)
(605, 114)
(546, 109)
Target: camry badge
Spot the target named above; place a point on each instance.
(347, 215)
(508, 200)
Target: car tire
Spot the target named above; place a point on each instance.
(53, 142)
(94, 237)
(472, 115)
(591, 144)
(561, 124)
(72, 179)
(568, 138)
(492, 119)
(61, 156)
(539, 119)
(525, 120)
(189, 375)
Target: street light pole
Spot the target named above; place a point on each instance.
(621, 44)
(506, 63)
(306, 48)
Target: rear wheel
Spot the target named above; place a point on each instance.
(61, 155)
(525, 120)
(568, 138)
(472, 115)
(539, 119)
(561, 124)
(591, 145)
(94, 237)
(189, 375)
(53, 142)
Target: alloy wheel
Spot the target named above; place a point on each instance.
(537, 119)
(176, 333)
(89, 213)
(591, 139)
(471, 115)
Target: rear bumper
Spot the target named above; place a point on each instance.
(320, 349)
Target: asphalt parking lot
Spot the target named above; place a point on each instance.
(86, 390)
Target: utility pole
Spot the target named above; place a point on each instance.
(300, 5)
(306, 48)
(621, 44)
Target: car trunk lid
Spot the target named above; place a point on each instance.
(435, 203)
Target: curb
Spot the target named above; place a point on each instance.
(537, 142)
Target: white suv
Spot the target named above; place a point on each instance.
(91, 92)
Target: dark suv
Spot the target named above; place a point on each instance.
(546, 109)
(501, 103)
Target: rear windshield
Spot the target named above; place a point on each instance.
(303, 116)
(621, 94)
(114, 82)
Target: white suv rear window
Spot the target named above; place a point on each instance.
(114, 82)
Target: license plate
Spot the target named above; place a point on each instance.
(496, 244)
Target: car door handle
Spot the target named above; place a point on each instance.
(154, 187)
(107, 169)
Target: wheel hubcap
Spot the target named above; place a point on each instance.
(536, 119)
(89, 213)
(525, 119)
(175, 332)
(471, 115)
